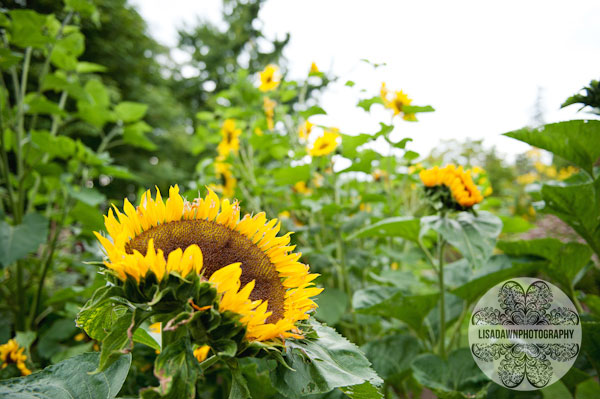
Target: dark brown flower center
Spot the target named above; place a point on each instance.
(220, 247)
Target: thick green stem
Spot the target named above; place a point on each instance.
(442, 343)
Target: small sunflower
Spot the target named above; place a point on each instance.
(397, 103)
(255, 272)
(269, 78)
(325, 144)
(269, 107)
(10, 352)
(301, 188)
(304, 130)
(460, 183)
(314, 68)
(229, 182)
(230, 141)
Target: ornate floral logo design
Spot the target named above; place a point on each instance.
(525, 334)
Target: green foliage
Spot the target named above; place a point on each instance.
(18, 241)
(70, 379)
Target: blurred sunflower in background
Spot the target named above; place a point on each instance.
(269, 78)
(11, 353)
(255, 272)
(452, 186)
(396, 102)
(325, 144)
(230, 141)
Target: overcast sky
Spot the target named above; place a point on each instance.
(480, 65)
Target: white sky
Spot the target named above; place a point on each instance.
(480, 64)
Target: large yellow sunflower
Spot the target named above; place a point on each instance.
(207, 237)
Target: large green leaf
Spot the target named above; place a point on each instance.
(16, 242)
(474, 236)
(391, 355)
(135, 135)
(325, 363)
(579, 206)
(70, 379)
(406, 227)
(588, 389)
(27, 28)
(577, 141)
(393, 302)
(566, 259)
(128, 111)
(178, 369)
(457, 377)
(332, 305)
(67, 50)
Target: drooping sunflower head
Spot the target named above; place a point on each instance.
(325, 144)
(11, 353)
(453, 186)
(269, 78)
(254, 271)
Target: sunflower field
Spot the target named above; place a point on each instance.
(161, 237)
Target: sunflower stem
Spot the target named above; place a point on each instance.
(442, 342)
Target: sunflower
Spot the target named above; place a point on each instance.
(397, 103)
(201, 352)
(305, 129)
(223, 172)
(464, 192)
(269, 107)
(11, 353)
(269, 78)
(230, 141)
(207, 237)
(325, 144)
(314, 68)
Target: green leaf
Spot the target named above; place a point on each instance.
(577, 141)
(8, 58)
(393, 302)
(391, 355)
(18, 241)
(515, 224)
(365, 390)
(62, 147)
(239, 385)
(406, 227)
(367, 103)
(38, 104)
(458, 377)
(566, 259)
(120, 338)
(67, 50)
(128, 111)
(89, 196)
(70, 379)
(314, 110)
(27, 29)
(577, 205)
(587, 390)
(143, 337)
(99, 314)
(558, 390)
(292, 175)
(177, 370)
(332, 305)
(349, 83)
(89, 67)
(350, 143)
(474, 236)
(414, 109)
(135, 134)
(590, 342)
(322, 364)
(85, 8)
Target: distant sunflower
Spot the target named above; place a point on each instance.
(207, 237)
(460, 183)
(10, 352)
(314, 68)
(397, 102)
(229, 182)
(269, 78)
(325, 144)
(269, 107)
(305, 129)
(230, 141)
